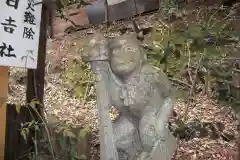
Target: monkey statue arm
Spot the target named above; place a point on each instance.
(155, 135)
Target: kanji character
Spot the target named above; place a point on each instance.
(30, 5)
(13, 3)
(9, 49)
(29, 18)
(28, 33)
(9, 26)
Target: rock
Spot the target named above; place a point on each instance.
(77, 20)
(80, 18)
(59, 26)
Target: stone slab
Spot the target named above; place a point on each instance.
(146, 5)
(96, 12)
(122, 10)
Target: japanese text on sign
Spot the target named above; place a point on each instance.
(19, 32)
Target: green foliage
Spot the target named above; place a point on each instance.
(79, 77)
(27, 126)
(168, 7)
(83, 132)
(65, 134)
(18, 108)
(68, 139)
(209, 36)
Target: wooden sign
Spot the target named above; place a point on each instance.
(19, 40)
(19, 32)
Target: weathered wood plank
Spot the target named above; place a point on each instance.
(3, 98)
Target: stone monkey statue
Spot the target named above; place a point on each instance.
(144, 97)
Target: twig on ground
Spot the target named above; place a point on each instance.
(206, 83)
(191, 92)
(180, 82)
(192, 88)
(188, 65)
(86, 91)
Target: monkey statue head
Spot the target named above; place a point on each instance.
(125, 55)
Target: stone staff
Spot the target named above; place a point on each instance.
(100, 66)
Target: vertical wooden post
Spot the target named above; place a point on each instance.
(35, 85)
(3, 109)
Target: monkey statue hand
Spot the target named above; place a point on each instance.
(98, 49)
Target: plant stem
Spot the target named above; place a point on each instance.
(48, 133)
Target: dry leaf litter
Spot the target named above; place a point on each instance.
(59, 102)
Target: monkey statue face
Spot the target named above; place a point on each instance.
(125, 55)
